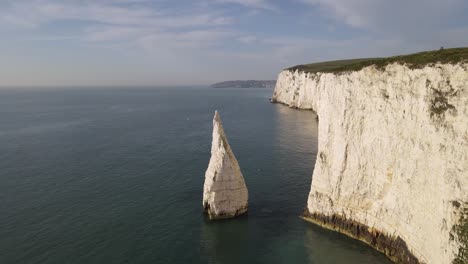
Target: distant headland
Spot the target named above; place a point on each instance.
(246, 84)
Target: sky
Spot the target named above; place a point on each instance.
(182, 42)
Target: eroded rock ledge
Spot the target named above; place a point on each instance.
(394, 247)
(392, 163)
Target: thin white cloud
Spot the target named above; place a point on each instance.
(112, 21)
(247, 39)
(261, 4)
(111, 33)
(189, 41)
(34, 13)
(384, 15)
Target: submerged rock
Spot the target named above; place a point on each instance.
(225, 194)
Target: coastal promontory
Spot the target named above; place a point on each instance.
(392, 162)
(245, 84)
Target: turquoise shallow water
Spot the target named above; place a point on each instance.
(116, 176)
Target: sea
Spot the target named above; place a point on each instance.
(115, 175)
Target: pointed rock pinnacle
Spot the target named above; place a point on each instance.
(225, 194)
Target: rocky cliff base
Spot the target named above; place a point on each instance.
(394, 248)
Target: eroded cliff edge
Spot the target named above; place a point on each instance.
(392, 165)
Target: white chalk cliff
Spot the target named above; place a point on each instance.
(392, 162)
(225, 194)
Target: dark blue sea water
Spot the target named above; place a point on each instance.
(116, 176)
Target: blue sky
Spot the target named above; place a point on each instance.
(180, 42)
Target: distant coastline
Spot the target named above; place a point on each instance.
(246, 84)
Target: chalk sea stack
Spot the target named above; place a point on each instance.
(225, 194)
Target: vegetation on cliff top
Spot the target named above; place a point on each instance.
(416, 60)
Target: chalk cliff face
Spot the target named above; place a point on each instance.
(392, 163)
(225, 194)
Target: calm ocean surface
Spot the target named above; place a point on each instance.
(116, 176)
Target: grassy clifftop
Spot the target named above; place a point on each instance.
(416, 60)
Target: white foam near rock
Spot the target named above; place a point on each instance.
(225, 194)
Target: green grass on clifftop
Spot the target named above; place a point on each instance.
(416, 60)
